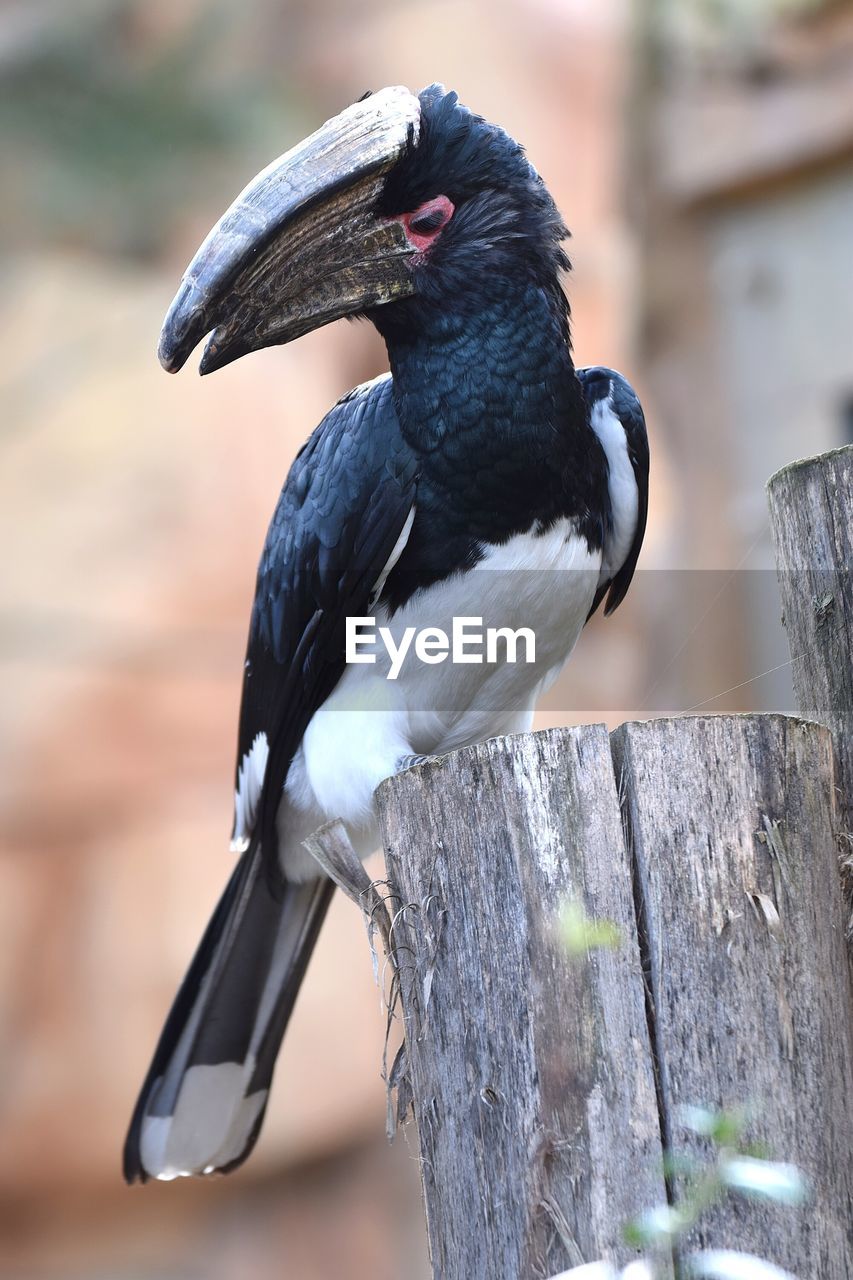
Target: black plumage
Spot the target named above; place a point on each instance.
(342, 507)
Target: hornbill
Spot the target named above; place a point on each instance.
(483, 476)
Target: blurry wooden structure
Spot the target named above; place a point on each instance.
(548, 1076)
(742, 191)
(811, 511)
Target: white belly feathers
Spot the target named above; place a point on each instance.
(541, 581)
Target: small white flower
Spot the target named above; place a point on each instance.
(589, 1271)
(699, 1119)
(726, 1264)
(638, 1270)
(782, 1182)
(663, 1222)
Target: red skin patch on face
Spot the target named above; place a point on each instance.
(422, 240)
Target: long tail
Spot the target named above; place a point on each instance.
(203, 1101)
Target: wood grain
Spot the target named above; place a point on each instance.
(811, 516)
(732, 822)
(531, 1068)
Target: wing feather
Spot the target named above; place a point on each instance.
(346, 499)
(600, 383)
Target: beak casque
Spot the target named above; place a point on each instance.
(301, 245)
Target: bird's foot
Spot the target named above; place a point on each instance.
(411, 762)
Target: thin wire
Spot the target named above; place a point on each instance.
(644, 702)
(742, 685)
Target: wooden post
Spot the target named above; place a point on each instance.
(533, 1074)
(530, 1068)
(731, 821)
(811, 515)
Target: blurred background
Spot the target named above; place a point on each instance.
(702, 152)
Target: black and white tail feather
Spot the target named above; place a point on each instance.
(203, 1101)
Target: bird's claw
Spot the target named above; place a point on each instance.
(411, 762)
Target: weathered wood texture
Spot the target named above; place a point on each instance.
(731, 823)
(811, 515)
(531, 1070)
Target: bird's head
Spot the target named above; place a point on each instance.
(398, 208)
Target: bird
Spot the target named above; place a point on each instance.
(481, 476)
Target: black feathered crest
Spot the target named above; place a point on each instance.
(460, 155)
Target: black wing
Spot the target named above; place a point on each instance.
(340, 514)
(606, 384)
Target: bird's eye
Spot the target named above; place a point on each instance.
(424, 223)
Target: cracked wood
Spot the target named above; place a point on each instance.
(811, 516)
(732, 821)
(531, 1069)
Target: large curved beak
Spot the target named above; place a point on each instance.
(301, 245)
